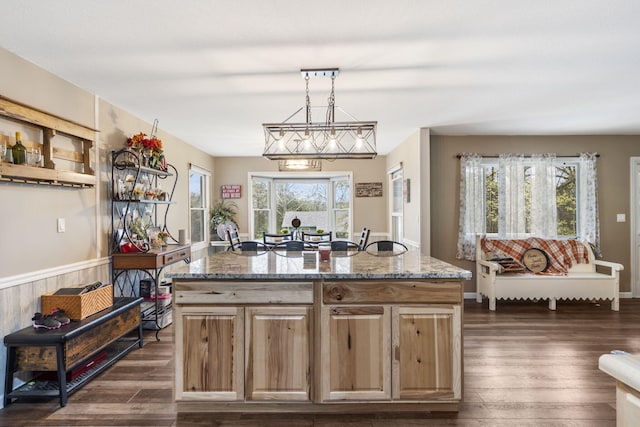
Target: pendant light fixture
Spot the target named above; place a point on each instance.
(328, 139)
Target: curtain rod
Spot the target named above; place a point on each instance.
(495, 156)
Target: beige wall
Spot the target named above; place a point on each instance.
(116, 125)
(613, 187)
(414, 154)
(370, 212)
(34, 257)
(30, 240)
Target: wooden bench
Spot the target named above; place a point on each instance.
(115, 331)
(582, 281)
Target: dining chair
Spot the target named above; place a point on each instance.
(317, 237)
(344, 245)
(293, 248)
(249, 247)
(233, 237)
(364, 238)
(386, 248)
(271, 239)
(294, 245)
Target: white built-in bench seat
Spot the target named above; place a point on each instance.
(588, 279)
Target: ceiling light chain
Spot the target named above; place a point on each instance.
(332, 102)
(306, 79)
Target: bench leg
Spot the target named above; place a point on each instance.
(552, 304)
(615, 304)
(492, 303)
(62, 375)
(478, 297)
(8, 379)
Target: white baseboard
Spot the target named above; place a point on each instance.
(472, 295)
(411, 243)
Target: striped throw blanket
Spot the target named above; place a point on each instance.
(562, 253)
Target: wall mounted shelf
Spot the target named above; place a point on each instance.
(50, 125)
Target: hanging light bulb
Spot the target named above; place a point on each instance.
(332, 140)
(359, 140)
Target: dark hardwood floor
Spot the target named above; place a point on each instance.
(524, 366)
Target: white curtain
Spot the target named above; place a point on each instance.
(472, 205)
(512, 210)
(544, 213)
(588, 218)
(511, 197)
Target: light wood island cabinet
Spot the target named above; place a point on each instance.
(266, 333)
(278, 346)
(236, 347)
(406, 347)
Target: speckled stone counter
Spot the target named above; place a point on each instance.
(281, 332)
(625, 368)
(279, 265)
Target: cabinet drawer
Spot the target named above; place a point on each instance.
(377, 291)
(176, 256)
(242, 292)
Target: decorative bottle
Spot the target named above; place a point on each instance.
(19, 151)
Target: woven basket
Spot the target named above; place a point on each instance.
(77, 307)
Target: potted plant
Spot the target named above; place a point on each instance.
(221, 211)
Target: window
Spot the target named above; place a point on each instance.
(261, 205)
(320, 202)
(396, 204)
(198, 202)
(341, 207)
(513, 196)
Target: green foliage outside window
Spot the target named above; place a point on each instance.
(566, 199)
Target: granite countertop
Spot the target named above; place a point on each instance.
(354, 265)
(622, 366)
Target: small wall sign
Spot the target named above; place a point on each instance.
(231, 191)
(368, 189)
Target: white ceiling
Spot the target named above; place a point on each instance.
(213, 71)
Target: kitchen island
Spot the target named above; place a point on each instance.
(280, 332)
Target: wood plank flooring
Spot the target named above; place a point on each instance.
(524, 366)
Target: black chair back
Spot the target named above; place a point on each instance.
(317, 237)
(343, 245)
(386, 248)
(249, 246)
(364, 238)
(233, 237)
(294, 245)
(272, 239)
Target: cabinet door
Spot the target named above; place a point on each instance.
(209, 353)
(277, 352)
(627, 405)
(356, 353)
(427, 355)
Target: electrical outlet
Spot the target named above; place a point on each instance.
(61, 225)
(621, 217)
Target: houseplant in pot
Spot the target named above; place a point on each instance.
(223, 212)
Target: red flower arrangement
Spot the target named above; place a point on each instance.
(141, 142)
